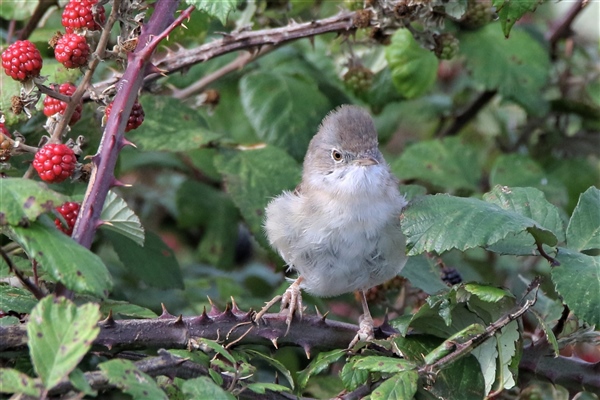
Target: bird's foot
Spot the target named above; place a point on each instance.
(291, 302)
(365, 331)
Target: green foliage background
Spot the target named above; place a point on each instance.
(522, 174)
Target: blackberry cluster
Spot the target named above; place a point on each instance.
(358, 79)
(69, 211)
(54, 106)
(22, 60)
(478, 14)
(446, 46)
(451, 276)
(54, 162)
(135, 118)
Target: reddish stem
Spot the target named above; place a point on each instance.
(161, 23)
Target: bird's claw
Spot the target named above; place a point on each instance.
(365, 331)
(291, 302)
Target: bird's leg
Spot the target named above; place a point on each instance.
(365, 323)
(290, 300)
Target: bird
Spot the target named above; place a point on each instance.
(340, 228)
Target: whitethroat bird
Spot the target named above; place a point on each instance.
(340, 228)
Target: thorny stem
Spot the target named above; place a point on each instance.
(173, 61)
(161, 23)
(467, 347)
(562, 28)
(553, 261)
(36, 291)
(237, 64)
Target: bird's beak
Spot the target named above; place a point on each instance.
(366, 161)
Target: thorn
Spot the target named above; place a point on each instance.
(106, 223)
(202, 319)
(306, 348)
(234, 307)
(183, 26)
(118, 183)
(179, 321)
(274, 341)
(226, 315)
(165, 314)
(214, 311)
(109, 320)
(108, 346)
(125, 142)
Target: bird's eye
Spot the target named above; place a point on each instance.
(336, 155)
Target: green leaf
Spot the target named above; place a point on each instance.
(63, 259)
(16, 299)
(274, 363)
(127, 377)
(448, 164)
(183, 130)
(13, 381)
(520, 170)
(352, 378)
(423, 273)
(79, 382)
(59, 335)
(383, 364)
(253, 177)
(486, 293)
(455, 9)
(401, 386)
(441, 222)
(17, 10)
(219, 9)
(583, 231)
(204, 388)
(449, 345)
(319, 364)
(201, 205)
(510, 12)
(550, 336)
(23, 200)
(517, 67)
(530, 203)
(461, 380)
(155, 263)
(285, 110)
(125, 309)
(577, 280)
(117, 216)
(263, 387)
(212, 345)
(414, 69)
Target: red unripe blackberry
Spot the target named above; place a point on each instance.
(135, 118)
(4, 130)
(22, 60)
(54, 162)
(69, 211)
(54, 106)
(78, 15)
(72, 50)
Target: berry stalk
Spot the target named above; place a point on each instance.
(161, 23)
